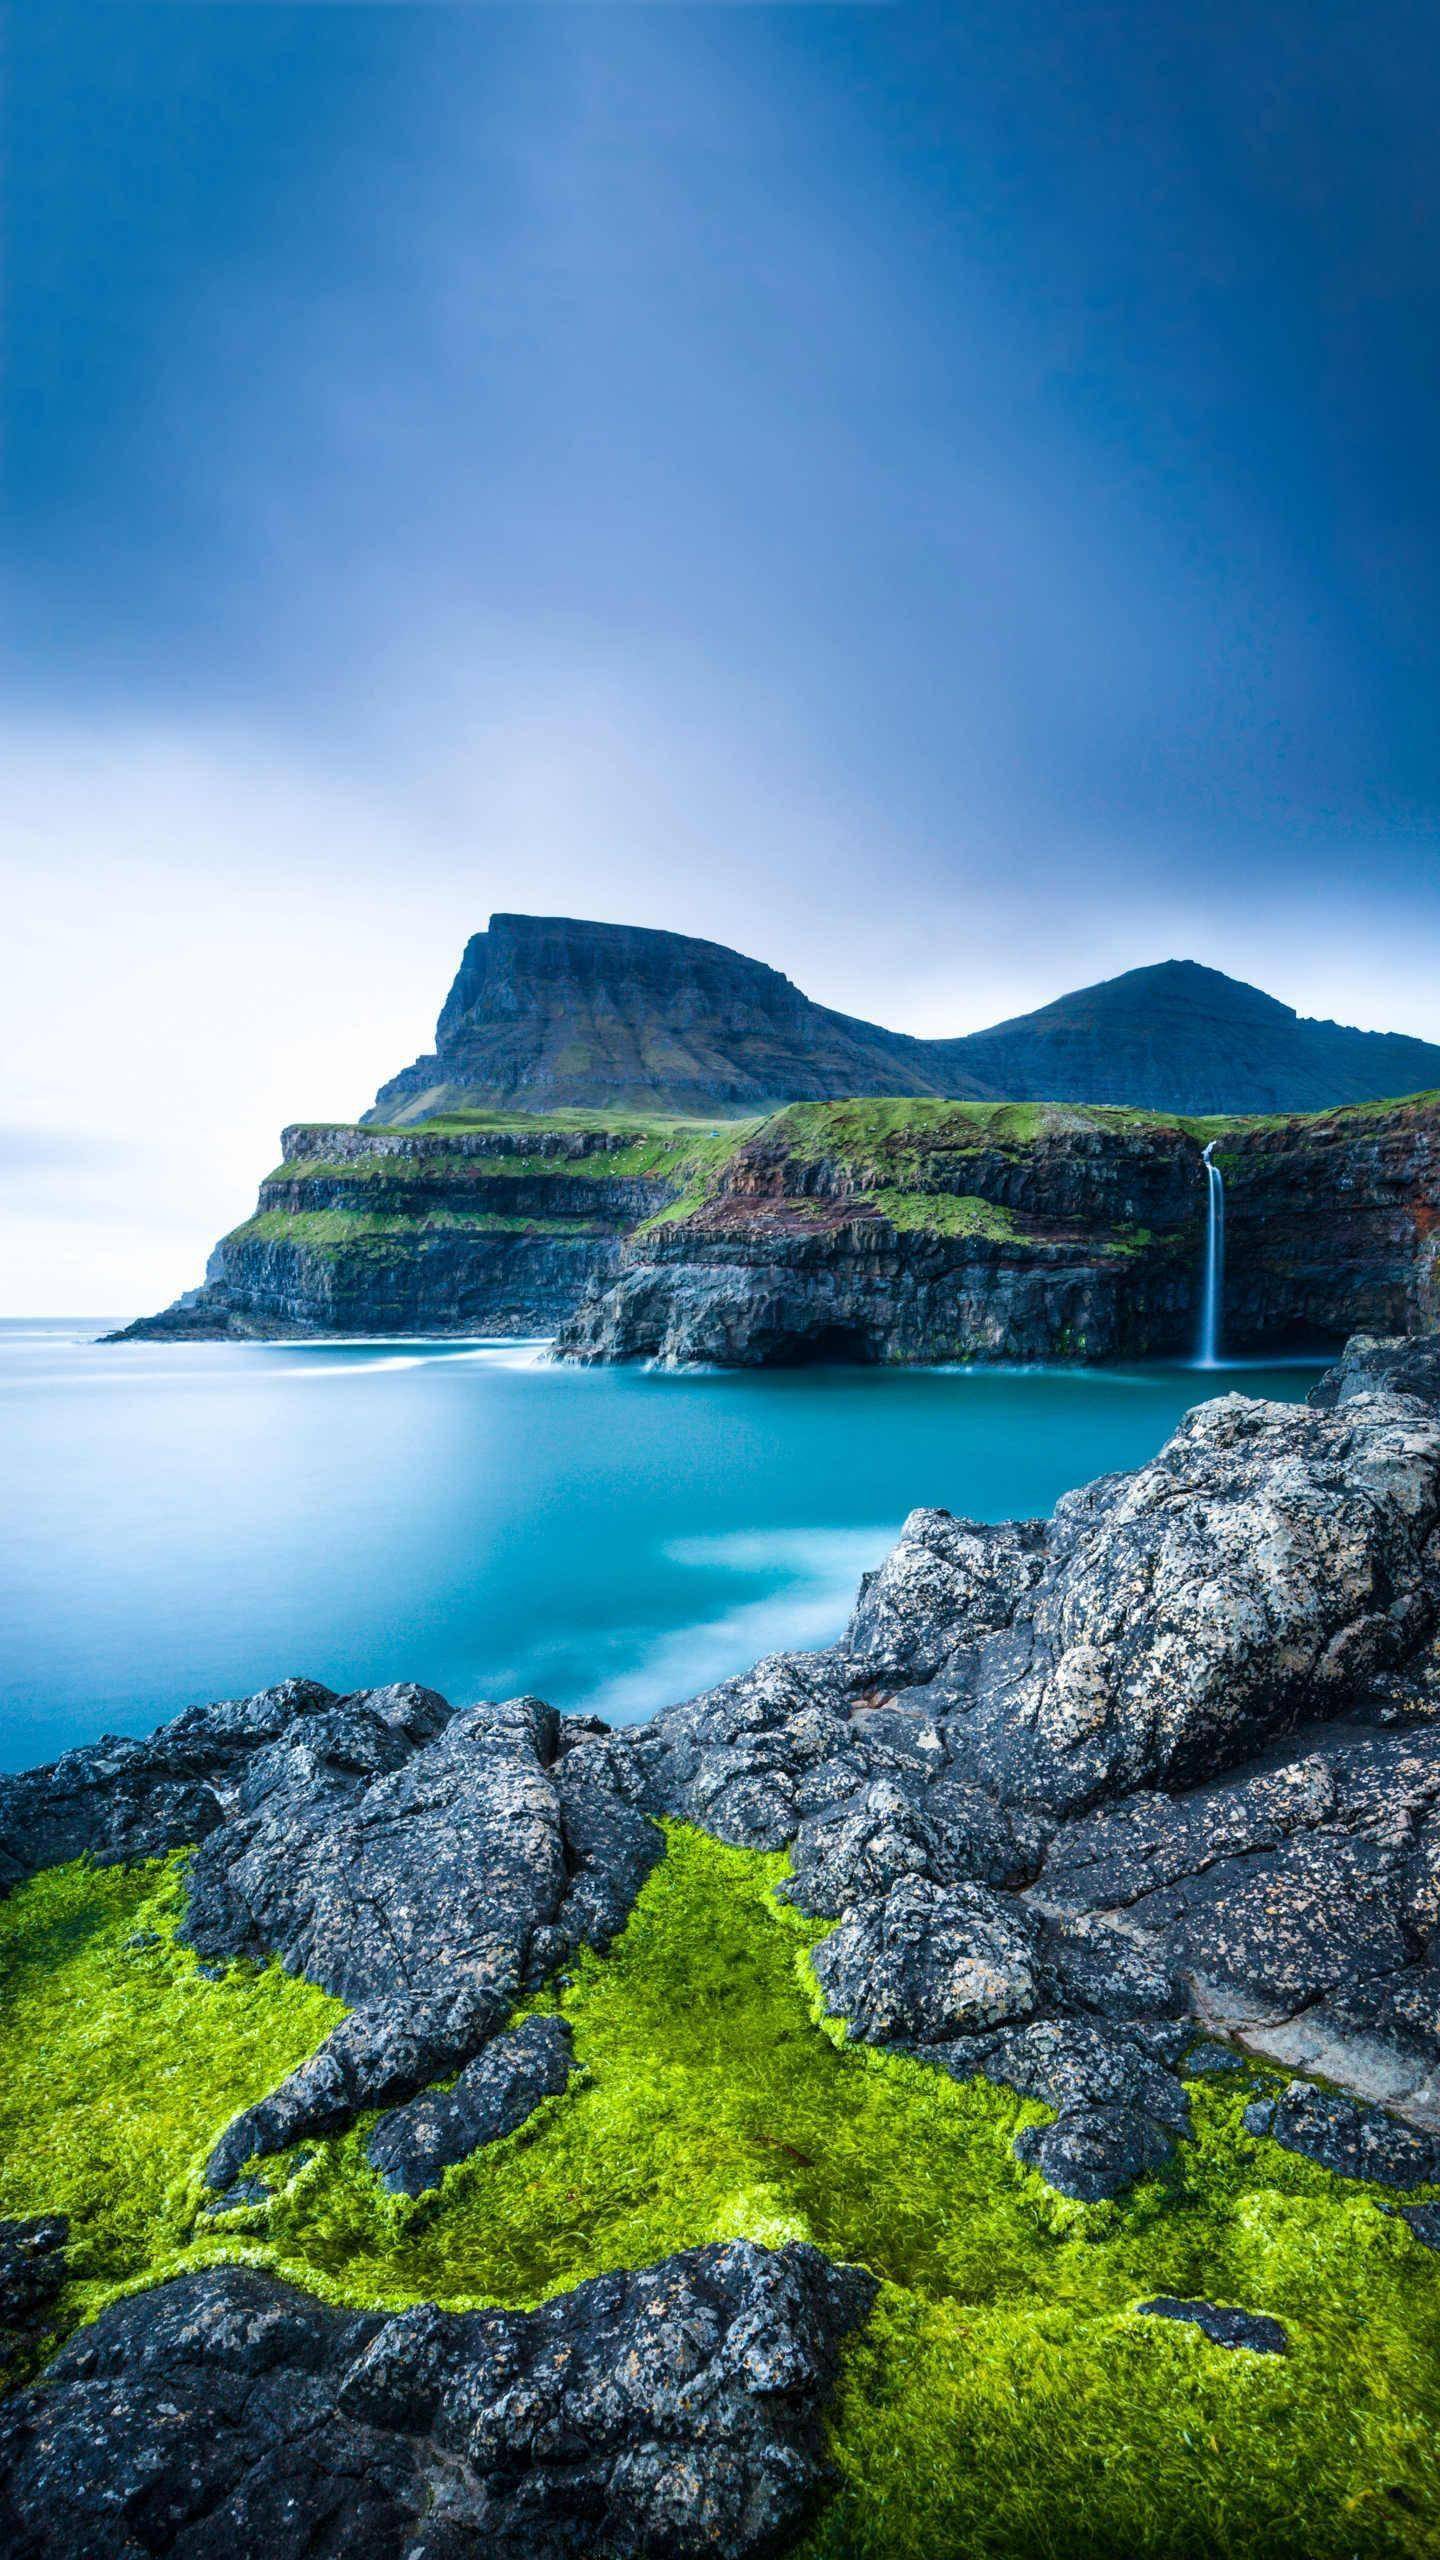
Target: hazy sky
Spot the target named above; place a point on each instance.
(943, 498)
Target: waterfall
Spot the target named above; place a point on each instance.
(1212, 1301)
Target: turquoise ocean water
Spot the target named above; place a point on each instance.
(183, 1522)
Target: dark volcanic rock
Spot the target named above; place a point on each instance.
(930, 1962)
(1267, 1565)
(672, 2411)
(1397, 1365)
(116, 1799)
(32, 2272)
(943, 1575)
(494, 2095)
(428, 1893)
(1222, 2325)
(1352, 2140)
(1094, 2151)
(425, 1868)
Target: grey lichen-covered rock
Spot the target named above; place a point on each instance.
(494, 2095)
(929, 1962)
(1353, 2140)
(1383, 1364)
(1222, 2324)
(430, 1894)
(118, 1799)
(1265, 1566)
(425, 1867)
(645, 2416)
(899, 1826)
(943, 1575)
(1094, 2151)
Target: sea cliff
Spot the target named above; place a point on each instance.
(928, 1231)
(884, 1230)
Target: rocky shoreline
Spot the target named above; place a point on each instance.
(1076, 1801)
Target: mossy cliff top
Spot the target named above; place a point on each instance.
(1007, 2397)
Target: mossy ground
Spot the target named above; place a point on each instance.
(1006, 2400)
(334, 1232)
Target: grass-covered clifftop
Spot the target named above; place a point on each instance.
(510, 1222)
(1008, 2398)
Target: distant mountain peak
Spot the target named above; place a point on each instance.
(549, 1012)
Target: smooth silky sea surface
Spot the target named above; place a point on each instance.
(184, 1522)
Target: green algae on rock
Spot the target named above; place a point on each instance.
(1006, 2397)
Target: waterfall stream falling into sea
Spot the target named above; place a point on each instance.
(1212, 1298)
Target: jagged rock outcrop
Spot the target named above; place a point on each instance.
(646, 2416)
(1402, 1365)
(494, 2095)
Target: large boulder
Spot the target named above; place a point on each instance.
(1268, 1565)
(652, 2415)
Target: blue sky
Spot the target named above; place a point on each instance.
(942, 499)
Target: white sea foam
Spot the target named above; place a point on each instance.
(809, 1609)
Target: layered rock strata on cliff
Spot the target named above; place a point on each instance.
(896, 1231)
(927, 1231)
(465, 1229)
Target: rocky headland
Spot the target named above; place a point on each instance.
(1059, 1949)
(892, 1231)
(482, 1225)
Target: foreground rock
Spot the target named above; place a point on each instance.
(664, 2413)
(426, 1868)
(32, 2271)
(1075, 1794)
(1223, 2325)
(494, 2095)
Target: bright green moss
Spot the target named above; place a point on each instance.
(120, 2063)
(945, 1213)
(335, 1231)
(1007, 2400)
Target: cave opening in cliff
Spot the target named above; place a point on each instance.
(828, 1342)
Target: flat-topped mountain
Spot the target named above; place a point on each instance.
(552, 1013)
(548, 1013)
